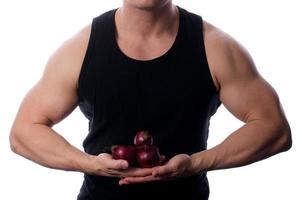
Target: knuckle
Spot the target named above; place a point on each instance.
(173, 168)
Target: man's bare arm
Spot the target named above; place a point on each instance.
(48, 102)
(249, 98)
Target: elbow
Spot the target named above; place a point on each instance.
(288, 142)
(285, 140)
(14, 140)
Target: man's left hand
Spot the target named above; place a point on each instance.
(178, 166)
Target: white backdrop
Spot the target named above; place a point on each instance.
(31, 30)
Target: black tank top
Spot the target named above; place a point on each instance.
(173, 96)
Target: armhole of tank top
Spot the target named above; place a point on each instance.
(204, 54)
(87, 59)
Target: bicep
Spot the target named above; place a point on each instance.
(243, 91)
(251, 99)
(47, 103)
(55, 94)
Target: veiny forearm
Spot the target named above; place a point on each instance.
(254, 141)
(44, 146)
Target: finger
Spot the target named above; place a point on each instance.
(139, 172)
(122, 181)
(136, 180)
(135, 172)
(162, 171)
(130, 172)
(110, 163)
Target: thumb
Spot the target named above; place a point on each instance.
(111, 163)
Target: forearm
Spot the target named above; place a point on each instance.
(44, 146)
(254, 141)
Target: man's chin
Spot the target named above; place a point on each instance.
(148, 4)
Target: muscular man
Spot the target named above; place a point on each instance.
(150, 65)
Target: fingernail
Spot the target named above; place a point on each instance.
(123, 183)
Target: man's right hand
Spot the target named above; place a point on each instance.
(105, 165)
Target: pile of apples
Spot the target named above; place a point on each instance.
(143, 154)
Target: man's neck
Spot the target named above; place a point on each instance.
(147, 23)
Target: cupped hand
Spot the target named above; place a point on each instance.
(178, 166)
(105, 165)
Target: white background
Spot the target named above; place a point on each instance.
(31, 30)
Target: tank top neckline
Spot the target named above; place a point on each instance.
(171, 50)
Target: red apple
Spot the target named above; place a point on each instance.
(148, 156)
(143, 138)
(123, 152)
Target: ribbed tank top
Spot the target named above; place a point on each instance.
(173, 96)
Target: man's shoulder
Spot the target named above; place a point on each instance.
(216, 37)
(66, 61)
(77, 42)
(225, 54)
